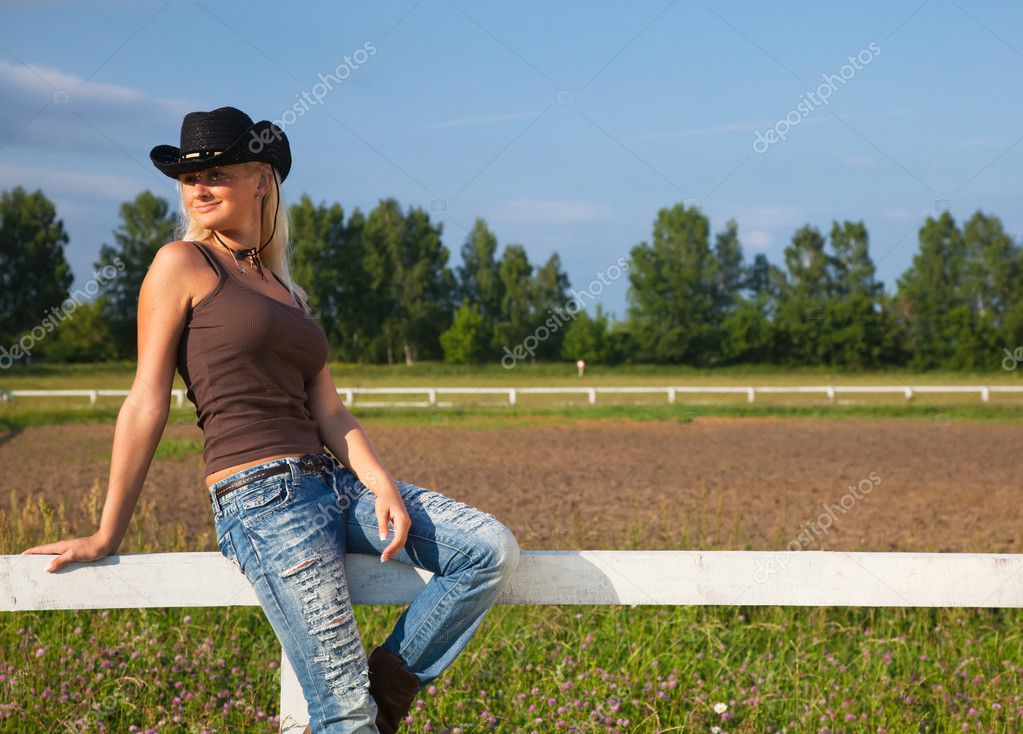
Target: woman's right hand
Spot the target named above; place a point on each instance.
(89, 548)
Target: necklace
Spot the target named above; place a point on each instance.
(252, 253)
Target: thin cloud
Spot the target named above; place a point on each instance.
(56, 183)
(758, 239)
(897, 214)
(44, 108)
(733, 127)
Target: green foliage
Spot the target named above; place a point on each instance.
(673, 290)
(464, 342)
(34, 274)
(83, 336)
(961, 297)
(147, 224)
(588, 338)
(329, 262)
(381, 288)
(408, 275)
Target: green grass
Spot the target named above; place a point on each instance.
(530, 668)
(15, 418)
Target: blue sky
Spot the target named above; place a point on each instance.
(565, 125)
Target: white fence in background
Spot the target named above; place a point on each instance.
(760, 578)
(670, 392)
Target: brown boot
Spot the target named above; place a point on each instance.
(393, 687)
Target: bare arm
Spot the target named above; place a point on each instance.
(342, 433)
(163, 302)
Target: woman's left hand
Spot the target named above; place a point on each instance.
(390, 506)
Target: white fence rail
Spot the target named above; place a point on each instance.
(671, 392)
(774, 578)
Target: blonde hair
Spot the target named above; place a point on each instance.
(278, 253)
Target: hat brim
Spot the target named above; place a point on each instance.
(264, 141)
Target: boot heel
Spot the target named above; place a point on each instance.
(393, 687)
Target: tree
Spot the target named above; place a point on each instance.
(146, 225)
(464, 343)
(412, 286)
(548, 297)
(479, 277)
(515, 322)
(929, 291)
(857, 329)
(83, 336)
(34, 274)
(803, 299)
(329, 262)
(672, 290)
(587, 338)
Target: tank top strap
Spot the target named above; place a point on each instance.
(295, 297)
(209, 258)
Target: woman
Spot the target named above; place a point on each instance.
(285, 509)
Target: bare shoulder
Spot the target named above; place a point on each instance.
(177, 270)
(178, 252)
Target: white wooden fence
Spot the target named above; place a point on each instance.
(782, 578)
(671, 392)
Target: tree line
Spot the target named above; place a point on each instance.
(381, 286)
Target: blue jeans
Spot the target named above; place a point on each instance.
(289, 533)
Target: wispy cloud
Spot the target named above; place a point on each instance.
(482, 119)
(126, 114)
(761, 226)
(549, 211)
(732, 127)
(758, 239)
(738, 127)
(897, 214)
(57, 183)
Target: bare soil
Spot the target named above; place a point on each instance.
(719, 483)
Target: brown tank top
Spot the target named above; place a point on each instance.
(247, 360)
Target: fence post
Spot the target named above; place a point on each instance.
(294, 710)
(751, 394)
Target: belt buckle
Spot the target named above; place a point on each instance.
(316, 463)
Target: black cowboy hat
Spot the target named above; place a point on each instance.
(222, 136)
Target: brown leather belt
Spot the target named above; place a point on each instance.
(307, 461)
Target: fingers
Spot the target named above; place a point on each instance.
(60, 561)
(400, 523)
(48, 548)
